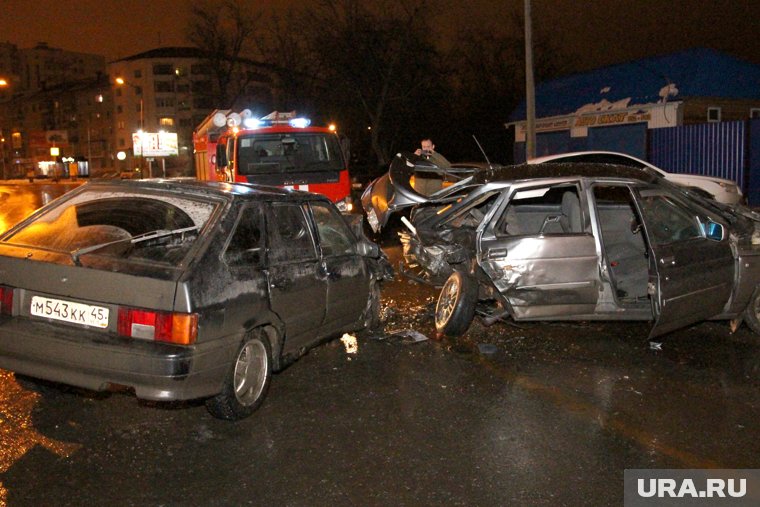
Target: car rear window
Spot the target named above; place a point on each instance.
(127, 225)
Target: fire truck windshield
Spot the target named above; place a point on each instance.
(288, 153)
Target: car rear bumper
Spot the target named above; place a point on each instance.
(93, 360)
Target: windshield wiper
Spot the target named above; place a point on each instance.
(158, 233)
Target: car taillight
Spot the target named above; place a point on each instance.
(179, 328)
(6, 300)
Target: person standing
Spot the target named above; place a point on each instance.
(427, 150)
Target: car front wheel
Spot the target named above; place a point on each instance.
(752, 313)
(247, 381)
(456, 304)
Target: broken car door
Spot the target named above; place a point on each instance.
(693, 259)
(540, 254)
(342, 268)
(297, 290)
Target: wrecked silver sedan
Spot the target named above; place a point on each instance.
(181, 290)
(572, 242)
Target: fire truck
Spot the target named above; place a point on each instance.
(279, 149)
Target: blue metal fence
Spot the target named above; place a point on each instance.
(710, 149)
(728, 150)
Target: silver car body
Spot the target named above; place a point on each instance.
(580, 242)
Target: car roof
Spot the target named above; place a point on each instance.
(211, 188)
(573, 154)
(562, 170)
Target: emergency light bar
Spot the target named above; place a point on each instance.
(246, 119)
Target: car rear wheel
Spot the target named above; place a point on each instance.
(456, 304)
(752, 313)
(247, 381)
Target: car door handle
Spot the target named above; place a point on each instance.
(668, 261)
(496, 253)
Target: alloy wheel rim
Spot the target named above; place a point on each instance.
(446, 302)
(251, 371)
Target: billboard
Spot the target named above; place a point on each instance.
(155, 144)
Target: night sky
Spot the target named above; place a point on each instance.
(594, 32)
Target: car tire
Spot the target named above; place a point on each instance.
(752, 312)
(247, 382)
(371, 316)
(456, 304)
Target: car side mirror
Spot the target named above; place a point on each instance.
(367, 249)
(713, 231)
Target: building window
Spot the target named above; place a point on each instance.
(163, 86)
(138, 90)
(199, 69)
(99, 98)
(165, 102)
(121, 142)
(167, 122)
(713, 114)
(121, 125)
(138, 73)
(119, 110)
(163, 69)
(117, 92)
(138, 108)
(754, 113)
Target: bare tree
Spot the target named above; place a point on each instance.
(376, 58)
(225, 30)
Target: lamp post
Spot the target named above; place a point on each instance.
(138, 91)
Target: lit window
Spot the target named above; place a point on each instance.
(167, 122)
(99, 98)
(713, 114)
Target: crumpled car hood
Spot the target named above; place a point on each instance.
(393, 191)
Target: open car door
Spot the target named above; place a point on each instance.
(693, 268)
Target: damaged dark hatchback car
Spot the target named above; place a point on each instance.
(181, 290)
(572, 242)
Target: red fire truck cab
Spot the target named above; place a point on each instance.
(279, 149)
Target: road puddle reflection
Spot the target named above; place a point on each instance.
(17, 433)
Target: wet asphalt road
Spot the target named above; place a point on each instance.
(540, 414)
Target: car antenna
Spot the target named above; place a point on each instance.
(490, 166)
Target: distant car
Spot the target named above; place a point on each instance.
(181, 290)
(573, 242)
(722, 190)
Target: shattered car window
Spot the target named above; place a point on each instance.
(121, 225)
(667, 221)
(334, 235)
(290, 237)
(245, 246)
(543, 211)
(472, 214)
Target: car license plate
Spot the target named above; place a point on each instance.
(68, 311)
